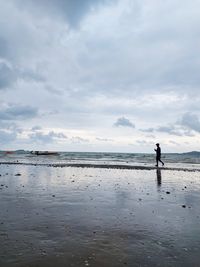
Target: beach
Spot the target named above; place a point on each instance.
(70, 216)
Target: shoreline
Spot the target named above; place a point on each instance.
(101, 166)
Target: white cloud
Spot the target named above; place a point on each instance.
(104, 139)
(174, 143)
(36, 128)
(78, 139)
(145, 143)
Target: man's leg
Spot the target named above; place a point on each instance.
(156, 161)
(161, 162)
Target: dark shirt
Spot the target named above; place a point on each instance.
(158, 152)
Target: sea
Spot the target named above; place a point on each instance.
(189, 160)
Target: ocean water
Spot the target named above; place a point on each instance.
(172, 160)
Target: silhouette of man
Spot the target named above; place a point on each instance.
(158, 155)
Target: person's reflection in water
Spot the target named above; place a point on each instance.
(159, 177)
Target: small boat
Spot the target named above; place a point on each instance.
(46, 153)
(9, 152)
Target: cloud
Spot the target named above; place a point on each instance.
(3, 47)
(58, 135)
(124, 122)
(151, 136)
(73, 11)
(36, 128)
(176, 129)
(7, 137)
(190, 121)
(50, 137)
(9, 132)
(17, 112)
(64, 56)
(145, 143)
(104, 139)
(170, 130)
(148, 130)
(7, 75)
(53, 90)
(31, 75)
(78, 140)
(174, 143)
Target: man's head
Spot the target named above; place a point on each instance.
(157, 144)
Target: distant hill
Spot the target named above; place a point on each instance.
(192, 153)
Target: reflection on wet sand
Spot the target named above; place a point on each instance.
(159, 177)
(98, 217)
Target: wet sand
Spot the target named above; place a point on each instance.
(98, 217)
(192, 168)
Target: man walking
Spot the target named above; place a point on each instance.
(158, 155)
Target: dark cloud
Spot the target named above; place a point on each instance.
(53, 90)
(124, 122)
(176, 129)
(170, 130)
(30, 75)
(40, 137)
(7, 76)
(7, 137)
(190, 121)
(3, 48)
(17, 112)
(7, 125)
(9, 132)
(71, 10)
(50, 137)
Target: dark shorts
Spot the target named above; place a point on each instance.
(158, 158)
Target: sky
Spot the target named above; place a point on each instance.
(100, 75)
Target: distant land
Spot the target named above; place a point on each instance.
(190, 153)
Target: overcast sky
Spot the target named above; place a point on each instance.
(100, 75)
